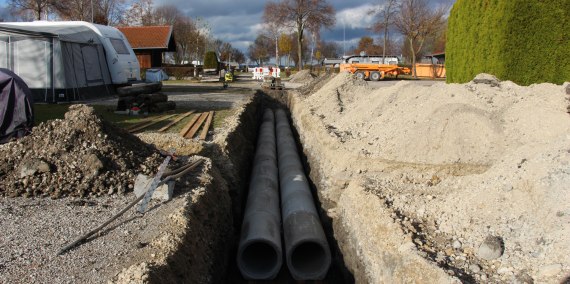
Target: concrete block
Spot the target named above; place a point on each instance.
(163, 192)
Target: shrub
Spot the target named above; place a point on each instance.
(210, 60)
(525, 41)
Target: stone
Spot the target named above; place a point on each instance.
(475, 268)
(487, 79)
(523, 278)
(549, 270)
(163, 192)
(456, 244)
(491, 248)
(33, 166)
(93, 165)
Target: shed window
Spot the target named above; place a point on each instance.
(119, 46)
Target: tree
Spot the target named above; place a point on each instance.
(385, 14)
(167, 15)
(330, 49)
(226, 52)
(417, 22)
(302, 14)
(139, 14)
(184, 32)
(258, 51)
(273, 31)
(109, 12)
(367, 45)
(285, 46)
(37, 7)
(211, 60)
(239, 57)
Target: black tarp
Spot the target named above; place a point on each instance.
(16, 107)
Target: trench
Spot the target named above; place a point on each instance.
(244, 139)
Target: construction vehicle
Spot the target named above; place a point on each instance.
(371, 70)
(273, 83)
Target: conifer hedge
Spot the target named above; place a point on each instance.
(525, 41)
(210, 60)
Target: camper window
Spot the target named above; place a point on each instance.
(119, 46)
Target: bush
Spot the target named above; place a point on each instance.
(525, 41)
(179, 73)
(210, 60)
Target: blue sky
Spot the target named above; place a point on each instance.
(239, 21)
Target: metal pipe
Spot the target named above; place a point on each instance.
(307, 251)
(260, 253)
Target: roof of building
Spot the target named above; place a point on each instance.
(148, 37)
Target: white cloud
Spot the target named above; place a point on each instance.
(357, 17)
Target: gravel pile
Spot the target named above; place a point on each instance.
(303, 76)
(80, 155)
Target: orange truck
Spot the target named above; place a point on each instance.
(371, 70)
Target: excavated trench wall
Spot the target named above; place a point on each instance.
(368, 243)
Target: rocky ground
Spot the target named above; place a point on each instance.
(428, 183)
(71, 175)
(475, 175)
(79, 156)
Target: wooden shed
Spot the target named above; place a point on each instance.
(149, 43)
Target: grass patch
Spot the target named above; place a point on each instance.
(45, 112)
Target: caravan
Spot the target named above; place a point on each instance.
(68, 61)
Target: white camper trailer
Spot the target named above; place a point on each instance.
(67, 61)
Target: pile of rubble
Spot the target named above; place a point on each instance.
(303, 77)
(80, 155)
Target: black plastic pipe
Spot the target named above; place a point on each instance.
(260, 253)
(307, 251)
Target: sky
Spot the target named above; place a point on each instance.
(239, 21)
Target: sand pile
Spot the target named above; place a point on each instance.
(477, 174)
(442, 124)
(303, 77)
(78, 156)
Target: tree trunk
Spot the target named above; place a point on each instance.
(300, 50)
(277, 51)
(385, 39)
(414, 72)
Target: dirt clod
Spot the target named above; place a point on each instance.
(80, 155)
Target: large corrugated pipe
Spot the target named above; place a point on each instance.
(306, 248)
(260, 253)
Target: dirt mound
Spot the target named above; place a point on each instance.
(80, 155)
(303, 77)
(459, 165)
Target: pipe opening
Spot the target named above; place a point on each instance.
(309, 257)
(259, 259)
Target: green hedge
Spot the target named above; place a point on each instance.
(525, 41)
(210, 60)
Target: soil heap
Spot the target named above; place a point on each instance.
(303, 77)
(80, 155)
(476, 173)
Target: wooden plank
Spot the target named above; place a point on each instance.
(206, 126)
(189, 125)
(178, 119)
(196, 126)
(153, 122)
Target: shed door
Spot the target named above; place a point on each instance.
(144, 60)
